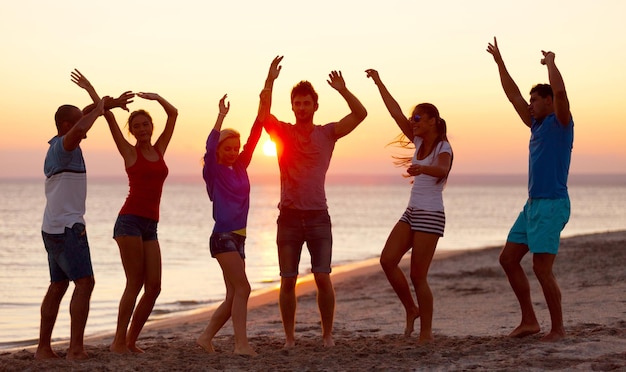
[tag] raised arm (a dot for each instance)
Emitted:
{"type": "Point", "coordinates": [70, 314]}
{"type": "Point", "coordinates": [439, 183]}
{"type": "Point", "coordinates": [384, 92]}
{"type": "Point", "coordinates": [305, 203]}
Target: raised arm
{"type": "Point", "coordinates": [265, 104]}
{"type": "Point", "coordinates": [510, 88]}
{"type": "Point", "coordinates": [257, 128]}
{"type": "Point", "coordinates": [172, 113]}
{"type": "Point", "coordinates": [561, 102]}
{"type": "Point", "coordinates": [392, 105]}
{"type": "Point", "coordinates": [72, 138]}
{"type": "Point", "coordinates": [79, 79]}
{"type": "Point", "coordinates": [224, 108]}
{"type": "Point", "coordinates": [122, 101]}
{"type": "Point", "coordinates": [357, 110]}
{"type": "Point", "coordinates": [125, 148]}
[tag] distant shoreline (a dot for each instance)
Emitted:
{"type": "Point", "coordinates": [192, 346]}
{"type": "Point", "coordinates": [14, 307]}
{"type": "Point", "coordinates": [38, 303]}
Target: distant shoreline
{"type": "Point", "coordinates": [378, 178]}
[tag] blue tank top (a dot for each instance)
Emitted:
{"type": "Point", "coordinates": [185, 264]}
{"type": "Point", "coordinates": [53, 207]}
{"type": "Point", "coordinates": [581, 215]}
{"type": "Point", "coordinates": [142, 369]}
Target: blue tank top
{"type": "Point", "coordinates": [550, 153]}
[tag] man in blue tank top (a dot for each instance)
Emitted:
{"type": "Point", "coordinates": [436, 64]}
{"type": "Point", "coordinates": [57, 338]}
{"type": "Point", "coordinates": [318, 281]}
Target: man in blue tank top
{"type": "Point", "coordinates": [539, 225]}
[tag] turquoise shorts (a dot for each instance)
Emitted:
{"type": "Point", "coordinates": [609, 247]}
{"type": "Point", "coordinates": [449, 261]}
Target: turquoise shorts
{"type": "Point", "coordinates": [540, 224]}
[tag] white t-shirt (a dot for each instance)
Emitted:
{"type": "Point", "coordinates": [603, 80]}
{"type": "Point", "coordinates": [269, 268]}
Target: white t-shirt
{"type": "Point", "coordinates": [426, 193]}
{"type": "Point", "coordinates": [66, 188]}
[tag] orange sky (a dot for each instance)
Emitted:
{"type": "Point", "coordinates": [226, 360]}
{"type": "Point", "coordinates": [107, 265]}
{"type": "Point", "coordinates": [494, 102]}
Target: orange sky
{"type": "Point", "coordinates": [193, 52]}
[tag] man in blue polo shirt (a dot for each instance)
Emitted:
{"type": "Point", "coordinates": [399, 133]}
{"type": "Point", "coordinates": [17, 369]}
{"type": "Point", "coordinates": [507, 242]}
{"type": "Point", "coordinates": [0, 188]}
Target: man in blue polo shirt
{"type": "Point", "coordinates": [547, 210]}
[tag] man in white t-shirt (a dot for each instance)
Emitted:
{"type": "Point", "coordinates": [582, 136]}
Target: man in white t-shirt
{"type": "Point", "coordinates": [63, 228]}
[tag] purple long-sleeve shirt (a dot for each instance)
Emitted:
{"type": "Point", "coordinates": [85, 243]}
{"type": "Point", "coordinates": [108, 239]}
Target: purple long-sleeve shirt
{"type": "Point", "coordinates": [229, 187]}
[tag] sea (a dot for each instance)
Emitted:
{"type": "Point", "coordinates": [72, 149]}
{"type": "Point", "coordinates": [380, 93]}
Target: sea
{"type": "Point", "coordinates": [479, 212]}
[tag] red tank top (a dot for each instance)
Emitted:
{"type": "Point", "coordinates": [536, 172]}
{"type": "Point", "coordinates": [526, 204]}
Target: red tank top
{"type": "Point", "coordinates": [145, 181]}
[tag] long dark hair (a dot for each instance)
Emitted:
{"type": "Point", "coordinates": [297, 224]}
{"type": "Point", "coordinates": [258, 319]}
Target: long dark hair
{"type": "Point", "coordinates": [442, 135]}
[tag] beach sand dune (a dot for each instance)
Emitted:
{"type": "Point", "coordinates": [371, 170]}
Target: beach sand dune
{"type": "Point", "coordinates": [474, 311]}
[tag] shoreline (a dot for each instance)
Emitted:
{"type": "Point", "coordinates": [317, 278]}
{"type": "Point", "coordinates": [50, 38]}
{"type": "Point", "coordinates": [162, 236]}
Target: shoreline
{"type": "Point", "coordinates": [258, 298]}
{"type": "Point", "coordinates": [474, 311]}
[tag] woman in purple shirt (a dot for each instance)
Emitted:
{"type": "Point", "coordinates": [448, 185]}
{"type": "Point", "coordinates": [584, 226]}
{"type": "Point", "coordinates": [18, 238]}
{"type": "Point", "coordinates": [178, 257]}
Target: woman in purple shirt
{"type": "Point", "coordinates": [228, 186]}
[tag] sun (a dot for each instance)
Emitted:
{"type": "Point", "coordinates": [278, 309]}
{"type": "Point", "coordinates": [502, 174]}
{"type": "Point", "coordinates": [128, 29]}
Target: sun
{"type": "Point", "coordinates": [269, 148]}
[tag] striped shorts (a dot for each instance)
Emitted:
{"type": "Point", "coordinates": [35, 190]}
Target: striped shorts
{"type": "Point", "coordinates": [432, 222]}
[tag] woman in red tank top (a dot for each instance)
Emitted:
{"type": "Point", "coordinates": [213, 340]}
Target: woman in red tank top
{"type": "Point", "coordinates": [135, 230]}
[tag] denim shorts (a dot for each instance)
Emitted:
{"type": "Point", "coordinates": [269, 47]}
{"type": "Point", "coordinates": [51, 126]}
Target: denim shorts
{"type": "Point", "coordinates": [227, 242]}
{"type": "Point", "coordinates": [131, 225]}
{"type": "Point", "coordinates": [296, 227]}
{"type": "Point", "coordinates": [540, 223]}
{"type": "Point", "coordinates": [68, 254]}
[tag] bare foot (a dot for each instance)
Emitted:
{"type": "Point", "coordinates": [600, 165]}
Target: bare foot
{"type": "Point", "coordinates": [205, 344]}
{"type": "Point", "coordinates": [77, 355]}
{"type": "Point", "coordinates": [119, 349]}
{"type": "Point", "coordinates": [133, 348]}
{"type": "Point", "coordinates": [411, 316]}
{"type": "Point", "coordinates": [329, 342]}
{"type": "Point", "coordinates": [289, 344]}
{"type": "Point", "coordinates": [426, 339]}
{"type": "Point", "coordinates": [525, 330]}
{"type": "Point", "coordinates": [553, 336]}
{"type": "Point", "coordinates": [46, 353]}
{"type": "Point", "coordinates": [246, 351]}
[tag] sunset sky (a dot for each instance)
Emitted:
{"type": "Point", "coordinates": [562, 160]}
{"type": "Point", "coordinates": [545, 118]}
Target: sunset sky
{"type": "Point", "coordinates": [193, 52]}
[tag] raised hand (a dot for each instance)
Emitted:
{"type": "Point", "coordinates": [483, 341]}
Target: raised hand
{"type": "Point", "coordinates": [494, 50]}
{"type": "Point", "coordinates": [371, 73]}
{"type": "Point", "coordinates": [79, 79]}
{"type": "Point", "coordinates": [123, 100]}
{"type": "Point", "coordinates": [224, 106]}
{"type": "Point", "coordinates": [275, 68]}
{"type": "Point", "coordinates": [548, 57]}
{"type": "Point", "coordinates": [336, 80]}
{"type": "Point", "coordinates": [148, 96]}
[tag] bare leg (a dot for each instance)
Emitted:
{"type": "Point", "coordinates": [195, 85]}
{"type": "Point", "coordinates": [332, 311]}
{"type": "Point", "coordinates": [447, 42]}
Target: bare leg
{"type": "Point", "coordinates": [132, 255]}
{"type": "Point", "coordinates": [218, 319]}
{"type": "Point", "coordinates": [79, 310]}
{"type": "Point", "coordinates": [238, 292]}
{"type": "Point", "coordinates": [510, 260]}
{"type": "Point", "coordinates": [326, 305]}
{"type": "Point", "coordinates": [49, 311]}
{"type": "Point", "coordinates": [398, 243]}
{"type": "Point", "coordinates": [152, 289]}
{"type": "Point", "coordinates": [424, 246]}
{"type": "Point", "coordinates": [288, 303]}
{"type": "Point", "coordinates": [542, 266]}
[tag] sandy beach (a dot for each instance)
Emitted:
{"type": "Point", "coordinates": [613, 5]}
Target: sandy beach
{"type": "Point", "coordinates": [475, 309]}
